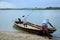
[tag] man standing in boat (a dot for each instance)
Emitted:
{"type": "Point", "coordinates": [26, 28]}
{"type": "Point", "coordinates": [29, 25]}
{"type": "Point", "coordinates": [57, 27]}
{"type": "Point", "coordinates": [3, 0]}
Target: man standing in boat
{"type": "Point", "coordinates": [45, 27]}
{"type": "Point", "coordinates": [24, 20]}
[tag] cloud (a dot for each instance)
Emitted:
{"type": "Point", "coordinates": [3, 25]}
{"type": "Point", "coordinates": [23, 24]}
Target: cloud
{"type": "Point", "coordinates": [7, 5]}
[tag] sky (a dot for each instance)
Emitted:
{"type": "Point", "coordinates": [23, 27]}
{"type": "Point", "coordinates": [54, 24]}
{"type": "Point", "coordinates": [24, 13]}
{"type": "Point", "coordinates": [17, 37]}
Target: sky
{"type": "Point", "coordinates": [29, 3]}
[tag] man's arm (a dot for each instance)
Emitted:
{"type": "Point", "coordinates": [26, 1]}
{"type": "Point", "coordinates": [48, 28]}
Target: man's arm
{"type": "Point", "coordinates": [50, 24]}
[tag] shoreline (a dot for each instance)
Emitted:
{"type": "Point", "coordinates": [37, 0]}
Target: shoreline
{"type": "Point", "coordinates": [20, 36]}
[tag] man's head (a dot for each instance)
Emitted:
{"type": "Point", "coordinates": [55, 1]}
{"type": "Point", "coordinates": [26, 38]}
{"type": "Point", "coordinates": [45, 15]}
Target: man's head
{"type": "Point", "coordinates": [23, 16]}
{"type": "Point", "coordinates": [47, 20]}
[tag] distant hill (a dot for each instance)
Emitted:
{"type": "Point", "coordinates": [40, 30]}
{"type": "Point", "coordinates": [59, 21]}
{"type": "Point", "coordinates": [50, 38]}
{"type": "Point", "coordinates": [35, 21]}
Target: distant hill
{"type": "Point", "coordinates": [47, 8]}
{"type": "Point", "coordinates": [52, 7]}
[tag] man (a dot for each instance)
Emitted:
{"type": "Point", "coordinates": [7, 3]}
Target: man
{"type": "Point", "coordinates": [45, 27]}
{"type": "Point", "coordinates": [24, 20]}
{"type": "Point", "coordinates": [19, 21]}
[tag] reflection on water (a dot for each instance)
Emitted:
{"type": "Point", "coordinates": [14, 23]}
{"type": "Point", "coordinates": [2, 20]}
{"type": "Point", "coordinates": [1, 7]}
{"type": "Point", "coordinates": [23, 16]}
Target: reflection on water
{"type": "Point", "coordinates": [18, 29]}
{"type": "Point", "coordinates": [56, 38]}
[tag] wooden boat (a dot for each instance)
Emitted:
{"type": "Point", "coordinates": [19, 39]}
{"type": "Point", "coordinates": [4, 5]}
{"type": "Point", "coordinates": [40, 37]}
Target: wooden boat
{"type": "Point", "coordinates": [33, 28]}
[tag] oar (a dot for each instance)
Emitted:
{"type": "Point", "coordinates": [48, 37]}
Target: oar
{"type": "Point", "coordinates": [51, 25]}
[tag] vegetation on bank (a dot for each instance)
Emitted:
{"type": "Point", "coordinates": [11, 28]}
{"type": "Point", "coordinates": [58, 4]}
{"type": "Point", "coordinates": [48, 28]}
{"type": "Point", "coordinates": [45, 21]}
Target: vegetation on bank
{"type": "Point", "coordinates": [47, 8]}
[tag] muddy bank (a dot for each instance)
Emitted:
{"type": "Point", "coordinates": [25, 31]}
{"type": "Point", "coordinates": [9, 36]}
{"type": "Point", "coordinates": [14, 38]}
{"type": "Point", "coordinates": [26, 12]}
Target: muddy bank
{"type": "Point", "coordinates": [20, 36]}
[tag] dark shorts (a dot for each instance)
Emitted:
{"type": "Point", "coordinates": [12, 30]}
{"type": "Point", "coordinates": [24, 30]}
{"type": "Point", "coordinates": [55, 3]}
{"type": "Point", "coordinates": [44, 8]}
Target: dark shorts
{"type": "Point", "coordinates": [24, 23]}
{"type": "Point", "coordinates": [44, 26]}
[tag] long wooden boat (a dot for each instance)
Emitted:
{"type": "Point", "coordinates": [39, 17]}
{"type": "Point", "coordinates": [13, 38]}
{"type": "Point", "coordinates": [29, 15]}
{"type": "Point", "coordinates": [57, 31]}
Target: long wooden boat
{"type": "Point", "coordinates": [33, 28]}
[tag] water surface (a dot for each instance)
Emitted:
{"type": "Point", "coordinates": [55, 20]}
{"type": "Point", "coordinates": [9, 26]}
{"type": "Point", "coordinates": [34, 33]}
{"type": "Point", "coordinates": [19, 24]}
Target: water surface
{"type": "Point", "coordinates": [7, 18]}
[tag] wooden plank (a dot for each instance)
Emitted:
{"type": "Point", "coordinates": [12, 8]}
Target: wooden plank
{"type": "Point", "coordinates": [29, 27]}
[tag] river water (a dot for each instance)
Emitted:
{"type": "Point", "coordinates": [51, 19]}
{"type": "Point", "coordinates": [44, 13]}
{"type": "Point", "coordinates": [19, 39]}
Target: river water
{"type": "Point", "coordinates": [7, 18]}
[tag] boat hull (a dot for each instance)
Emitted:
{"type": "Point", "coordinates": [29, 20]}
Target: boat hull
{"type": "Point", "coordinates": [38, 32]}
